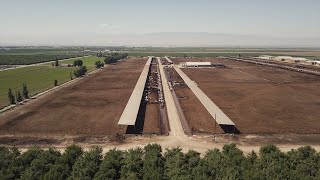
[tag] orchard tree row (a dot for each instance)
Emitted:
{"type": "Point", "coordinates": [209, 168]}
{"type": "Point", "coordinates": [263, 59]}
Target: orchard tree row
{"type": "Point", "coordinates": [112, 58]}
{"type": "Point", "coordinates": [151, 163]}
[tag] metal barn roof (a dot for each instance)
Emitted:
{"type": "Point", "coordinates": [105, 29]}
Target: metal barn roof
{"type": "Point", "coordinates": [198, 63]}
{"type": "Point", "coordinates": [169, 60]}
{"type": "Point", "coordinates": [129, 114]}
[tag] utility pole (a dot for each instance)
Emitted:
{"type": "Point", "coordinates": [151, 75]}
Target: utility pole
{"type": "Point", "coordinates": [215, 127]}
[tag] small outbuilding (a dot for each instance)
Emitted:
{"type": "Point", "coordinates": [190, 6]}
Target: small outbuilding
{"type": "Point", "coordinates": [196, 64]}
{"type": "Point", "coordinates": [266, 57]}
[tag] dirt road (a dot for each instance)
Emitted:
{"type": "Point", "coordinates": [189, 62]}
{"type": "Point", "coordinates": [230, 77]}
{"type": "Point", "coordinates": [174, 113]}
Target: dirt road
{"type": "Point", "coordinates": [174, 120]}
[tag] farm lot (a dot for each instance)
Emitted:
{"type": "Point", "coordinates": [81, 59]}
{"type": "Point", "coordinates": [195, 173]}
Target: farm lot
{"type": "Point", "coordinates": [90, 106]}
{"type": "Point", "coordinates": [257, 99]}
{"type": "Point", "coordinates": [38, 78]}
{"type": "Point", "coordinates": [24, 56]}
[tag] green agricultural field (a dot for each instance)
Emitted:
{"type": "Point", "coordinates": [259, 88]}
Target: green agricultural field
{"type": "Point", "coordinates": [24, 56]}
{"type": "Point", "coordinates": [38, 78]}
{"type": "Point", "coordinates": [87, 61]}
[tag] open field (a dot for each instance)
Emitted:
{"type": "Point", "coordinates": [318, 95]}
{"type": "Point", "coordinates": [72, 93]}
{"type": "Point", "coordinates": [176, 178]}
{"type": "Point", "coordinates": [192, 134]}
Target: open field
{"type": "Point", "coordinates": [90, 106]}
{"type": "Point", "coordinates": [24, 56]}
{"type": "Point", "coordinates": [257, 99]}
{"type": "Point", "coordinates": [38, 78]}
{"type": "Point", "coordinates": [215, 52]}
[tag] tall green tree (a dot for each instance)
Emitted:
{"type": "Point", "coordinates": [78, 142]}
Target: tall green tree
{"type": "Point", "coordinates": [111, 166]}
{"type": "Point", "coordinates": [19, 97]}
{"type": "Point", "coordinates": [56, 63]}
{"type": "Point", "coordinates": [87, 165]}
{"type": "Point", "coordinates": [11, 97]}
{"type": "Point", "coordinates": [212, 164]}
{"type": "Point", "coordinates": [40, 165]}
{"type": "Point", "coordinates": [55, 82]}
{"type": "Point", "coordinates": [25, 91]}
{"type": "Point", "coordinates": [176, 166]}
{"type": "Point", "coordinates": [133, 165]}
{"type": "Point", "coordinates": [153, 165]}
{"type": "Point", "coordinates": [62, 168]}
{"type": "Point", "coordinates": [9, 167]}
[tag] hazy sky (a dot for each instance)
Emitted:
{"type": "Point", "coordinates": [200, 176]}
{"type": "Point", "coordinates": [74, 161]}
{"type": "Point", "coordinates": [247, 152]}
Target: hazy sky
{"type": "Point", "coordinates": [130, 22]}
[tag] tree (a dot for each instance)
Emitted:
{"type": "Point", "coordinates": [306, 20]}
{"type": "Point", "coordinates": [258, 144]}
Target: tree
{"type": "Point", "coordinates": [230, 163]}
{"type": "Point", "coordinates": [99, 64]}
{"type": "Point", "coordinates": [175, 165]}
{"type": "Point", "coordinates": [56, 62]}
{"type": "Point", "coordinates": [11, 97]}
{"type": "Point", "coordinates": [9, 168]}
{"type": "Point", "coordinates": [153, 165]}
{"type": "Point", "coordinates": [111, 165]}
{"type": "Point", "coordinates": [133, 164]}
{"type": "Point", "coordinates": [114, 57]}
{"type": "Point", "coordinates": [212, 163]}
{"type": "Point", "coordinates": [71, 76]}
{"type": "Point", "coordinates": [233, 162]}
{"type": "Point", "coordinates": [272, 163]}
{"type": "Point", "coordinates": [62, 169]}
{"type": "Point", "coordinates": [19, 97]}
{"type": "Point", "coordinates": [87, 165]}
{"type": "Point", "coordinates": [25, 91]}
{"type": "Point", "coordinates": [25, 159]}
{"type": "Point", "coordinates": [55, 82]}
{"type": "Point", "coordinates": [193, 160]}
{"type": "Point", "coordinates": [81, 71]}
{"type": "Point", "coordinates": [77, 62]}
{"type": "Point", "coordinates": [41, 164]}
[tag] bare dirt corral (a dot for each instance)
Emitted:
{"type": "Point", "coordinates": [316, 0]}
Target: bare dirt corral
{"type": "Point", "coordinates": [198, 118]}
{"type": "Point", "coordinates": [90, 106]}
{"type": "Point", "coordinates": [258, 99]}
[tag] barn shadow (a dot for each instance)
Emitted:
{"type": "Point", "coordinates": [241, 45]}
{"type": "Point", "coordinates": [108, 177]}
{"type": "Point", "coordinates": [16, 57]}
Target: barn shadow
{"type": "Point", "coordinates": [138, 127]}
{"type": "Point", "coordinates": [230, 129]}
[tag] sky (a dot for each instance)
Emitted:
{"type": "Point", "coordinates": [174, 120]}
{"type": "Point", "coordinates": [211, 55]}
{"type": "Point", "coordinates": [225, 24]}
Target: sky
{"type": "Point", "coordinates": [160, 23]}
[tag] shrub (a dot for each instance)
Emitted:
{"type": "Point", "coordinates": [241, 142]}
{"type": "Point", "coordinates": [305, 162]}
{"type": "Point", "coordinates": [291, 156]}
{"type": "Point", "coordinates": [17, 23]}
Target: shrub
{"type": "Point", "coordinates": [77, 62]}
{"type": "Point", "coordinates": [99, 64]}
{"type": "Point", "coordinates": [55, 83]}
{"type": "Point", "coordinates": [80, 71]}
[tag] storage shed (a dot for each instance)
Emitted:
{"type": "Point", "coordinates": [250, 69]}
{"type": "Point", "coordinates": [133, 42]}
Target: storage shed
{"type": "Point", "coordinates": [196, 64]}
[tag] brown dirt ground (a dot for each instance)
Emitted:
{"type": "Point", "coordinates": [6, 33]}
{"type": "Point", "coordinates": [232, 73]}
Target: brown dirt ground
{"type": "Point", "coordinates": [152, 116]}
{"type": "Point", "coordinates": [261, 99]}
{"type": "Point", "coordinates": [199, 119]}
{"type": "Point", "coordinates": [152, 119]}
{"type": "Point", "coordinates": [90, 106]}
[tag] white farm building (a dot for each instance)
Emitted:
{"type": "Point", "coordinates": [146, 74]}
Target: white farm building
{"type": "Point", "coordinates": [291, 59]}
{"type": "Point", "coordinates": [266, 57]}
{"type": "Point", "coordinates": [195, 64]}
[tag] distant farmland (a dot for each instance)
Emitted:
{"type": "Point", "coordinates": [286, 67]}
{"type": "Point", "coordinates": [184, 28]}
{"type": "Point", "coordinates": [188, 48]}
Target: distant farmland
{"type": "Point", "coordinates": [32, 56]}
{"type": "Point", "coordinates": [38, 78]}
